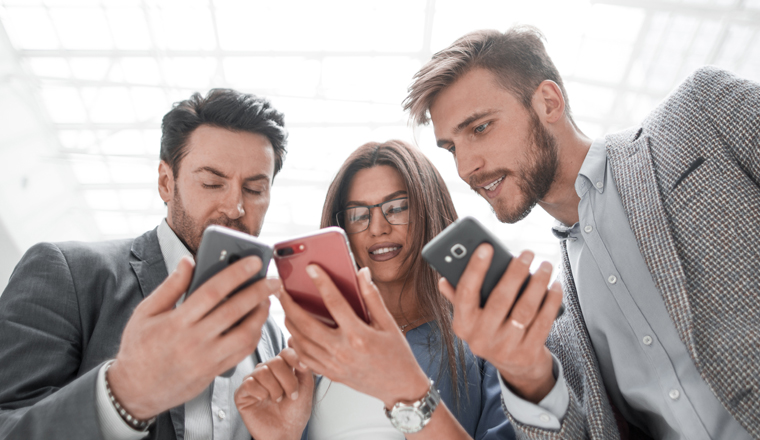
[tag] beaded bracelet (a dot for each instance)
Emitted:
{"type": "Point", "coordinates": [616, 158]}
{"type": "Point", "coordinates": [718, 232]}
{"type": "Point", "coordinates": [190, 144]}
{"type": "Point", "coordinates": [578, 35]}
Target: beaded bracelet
{"type": "Point", "coordinates": [140, 425]}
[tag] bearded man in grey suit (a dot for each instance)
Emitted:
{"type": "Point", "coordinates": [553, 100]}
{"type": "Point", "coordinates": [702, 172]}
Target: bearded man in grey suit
{"type": "Point", "coordinates": [659, 228]}
{"type": "Point", "coordinates": [95, 339]}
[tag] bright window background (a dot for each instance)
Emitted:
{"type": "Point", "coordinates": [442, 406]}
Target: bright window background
{"type": "Point", "coordinates": [84, 84]}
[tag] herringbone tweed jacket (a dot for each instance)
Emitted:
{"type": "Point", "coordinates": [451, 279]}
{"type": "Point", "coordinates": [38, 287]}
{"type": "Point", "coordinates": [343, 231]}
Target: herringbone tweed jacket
{"type": "Point", "coordinates": [689, 179]}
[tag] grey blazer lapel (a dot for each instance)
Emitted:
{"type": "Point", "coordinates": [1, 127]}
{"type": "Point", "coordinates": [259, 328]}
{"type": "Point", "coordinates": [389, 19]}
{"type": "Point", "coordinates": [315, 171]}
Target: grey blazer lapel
{"type": "Point", "coordinates": [148, 262]}
{"type": "Point", "coordinates": [636, 181]}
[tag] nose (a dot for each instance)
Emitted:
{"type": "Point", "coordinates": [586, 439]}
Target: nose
{"type": "Point", "coordinates": [378, 225]}
{"type": "Point", "coordinates": [232, 204]}
{"type": "Point", "coordinates": [468, 161]}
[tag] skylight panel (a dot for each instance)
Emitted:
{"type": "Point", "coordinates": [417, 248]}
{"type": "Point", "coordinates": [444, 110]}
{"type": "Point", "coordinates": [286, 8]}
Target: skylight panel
{"type": "Point", "coordinates": [184, 28]}
{"type": "Point", "coordinates": [128, 27]}
{"type": "Point", "coordinates": [112, 224]}
{"type": "Point", "coordinates": [29, 28]}
{"type": "Point", "coordinates": [92, 69]}
{"type": "Point", "coordinates": [82, 28]}
{"type": "Point", "coordinates": [102, 199]}
{"type": "Point", "coordinates": [150, 103]}
{"type": "Point", "coordinates": [93, 171]}
{"type": "Point", "coordinates": [133, 171]}
{"type": "Point", "coordinates": [79, 141]}
{"type": "Point", "coordinates": [139, 200]}
{"type": "Point", "coordinates": [53, 67]}
{"type": "Point", "coordinates": [195, 73]}
{"type": "Point", "coordinates": [141, 70]}
{"type": "Point", "coordinates": [124, 143]}
{"type": "Point", "coordinates": [291, 76]}
{"type": "Point", "coordinates": [63, 104]}
{"type": "Point", "coordinates": [112, 104]}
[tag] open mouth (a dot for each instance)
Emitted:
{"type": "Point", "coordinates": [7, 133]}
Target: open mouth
{"type": "Point", "coordinates": [384, 251]}
{"type": "Point", "coordinates": [494, 184]}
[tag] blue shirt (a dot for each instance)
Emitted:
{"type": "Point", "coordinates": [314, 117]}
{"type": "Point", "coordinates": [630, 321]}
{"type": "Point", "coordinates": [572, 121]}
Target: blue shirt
{"type": "Point", "coordinates": [479, 410]}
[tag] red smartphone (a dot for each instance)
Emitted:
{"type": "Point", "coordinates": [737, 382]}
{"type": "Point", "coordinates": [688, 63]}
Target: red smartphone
{"type": "Point", "coordinates": [328, 248]}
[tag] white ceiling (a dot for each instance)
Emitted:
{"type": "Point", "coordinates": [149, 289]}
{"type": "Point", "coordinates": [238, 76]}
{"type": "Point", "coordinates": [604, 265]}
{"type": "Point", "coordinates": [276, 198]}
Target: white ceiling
{"type": "Point", "coordinates": [86, 82]}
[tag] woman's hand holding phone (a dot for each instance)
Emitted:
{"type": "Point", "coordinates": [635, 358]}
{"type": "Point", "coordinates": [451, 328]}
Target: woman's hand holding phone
{"type": "Point", "coordinates": [509, 333]}
{"type": "Point", "coordinates": [373, 358]}
{"type": "Point", "coordinates": [275, 400]}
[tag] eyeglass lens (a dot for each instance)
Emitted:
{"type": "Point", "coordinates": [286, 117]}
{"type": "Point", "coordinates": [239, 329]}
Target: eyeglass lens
{"type": "Point", "coordinates": [356, 219]}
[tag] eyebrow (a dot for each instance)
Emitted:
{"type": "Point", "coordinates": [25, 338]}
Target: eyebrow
{"type": "Point", "coordinates": [216, 172]}
{"type": "Point", "coordinates": [390, 196]}
{"type": "Point", "coordinates": [462, 125]}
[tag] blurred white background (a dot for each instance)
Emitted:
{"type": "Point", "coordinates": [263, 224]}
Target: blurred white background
{"type": "Point", "coordinates": [84, 84]}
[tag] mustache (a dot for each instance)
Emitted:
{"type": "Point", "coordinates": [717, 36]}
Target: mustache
{"type": "Point", "coordinates": [476, 181]}
{"type": "Point", "coordinates": [231, 223]}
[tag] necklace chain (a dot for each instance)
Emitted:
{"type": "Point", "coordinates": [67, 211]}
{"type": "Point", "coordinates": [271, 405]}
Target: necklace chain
{"type": "Point", "coordinates": [404, 326]}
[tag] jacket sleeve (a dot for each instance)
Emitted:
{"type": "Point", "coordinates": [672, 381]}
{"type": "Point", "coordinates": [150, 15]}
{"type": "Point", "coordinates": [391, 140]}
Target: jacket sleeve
{"type": "Point", "coordinates": [732, 105]}
{"type": "Point", "coordinates": [589, 413]}
{"type": "Point", "coordinates": [42, 392]}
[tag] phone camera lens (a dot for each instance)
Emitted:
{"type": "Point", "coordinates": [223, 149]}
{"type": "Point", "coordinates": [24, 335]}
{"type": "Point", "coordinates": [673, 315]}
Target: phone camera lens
{"type": "Point", "coordinates": [458, 250]}
{"type": "Point", "coordinates": [284, 252]}
{"type": "Point", "coordinates": [233, 258]}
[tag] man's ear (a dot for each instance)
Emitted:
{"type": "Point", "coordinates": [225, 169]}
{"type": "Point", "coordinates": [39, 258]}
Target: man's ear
{"type": "Point", "coordinates": [549, 102]}
{"type": "Point", "coordinates": [165, 182]}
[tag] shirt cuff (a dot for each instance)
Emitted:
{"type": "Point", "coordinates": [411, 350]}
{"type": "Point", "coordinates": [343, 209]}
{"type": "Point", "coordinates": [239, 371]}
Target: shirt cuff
{"type": "Point", "coordinates": [549, 412]}
{"type": "Point", "coordinates": [112, 426]}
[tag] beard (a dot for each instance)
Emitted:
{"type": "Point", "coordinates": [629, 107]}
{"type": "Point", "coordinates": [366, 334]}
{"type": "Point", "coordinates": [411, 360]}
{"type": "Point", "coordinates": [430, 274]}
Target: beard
{"type": "Point", "coordinates": [190, 232]}
{"type": "Point", "coordinates": [534, 179]}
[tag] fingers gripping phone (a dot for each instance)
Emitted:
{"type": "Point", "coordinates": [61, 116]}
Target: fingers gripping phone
{"type": "Point", "coordinates": [450, 251]}
{"type": "Point", "coordinates": [328, 248]}
{"type": "Point", "coordinates": [220, 247]}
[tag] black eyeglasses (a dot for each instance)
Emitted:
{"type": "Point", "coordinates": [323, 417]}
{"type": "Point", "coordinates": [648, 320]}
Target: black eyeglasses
{"type": "Point", "coordinates": [356, 218]}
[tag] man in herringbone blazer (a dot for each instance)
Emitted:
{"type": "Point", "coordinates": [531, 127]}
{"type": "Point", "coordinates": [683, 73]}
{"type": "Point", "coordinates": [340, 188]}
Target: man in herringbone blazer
{"type": "Point", "coordinates": [660, 234]}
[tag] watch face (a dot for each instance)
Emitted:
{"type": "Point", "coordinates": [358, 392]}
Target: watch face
{"type": "Point", "coordinates": [409, 418]}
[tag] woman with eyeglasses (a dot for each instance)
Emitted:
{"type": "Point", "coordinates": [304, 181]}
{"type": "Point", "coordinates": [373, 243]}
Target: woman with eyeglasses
{"type": "Point", "coordinates": [405, 373]}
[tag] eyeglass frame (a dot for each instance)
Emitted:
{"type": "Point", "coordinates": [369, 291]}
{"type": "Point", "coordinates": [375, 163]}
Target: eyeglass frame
{"type": "Point", "coordinates": [369, 208]}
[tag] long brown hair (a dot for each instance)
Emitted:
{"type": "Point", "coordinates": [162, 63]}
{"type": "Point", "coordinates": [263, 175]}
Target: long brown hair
{"type": "Point", "coordinates": [430, 211]}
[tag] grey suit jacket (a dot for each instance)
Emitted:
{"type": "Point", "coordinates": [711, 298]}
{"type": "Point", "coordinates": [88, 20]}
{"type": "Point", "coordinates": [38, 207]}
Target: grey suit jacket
{"type": "Point", "coordinates": [689, 179]}
{"type": "Point", "coordinates": [61, 317]}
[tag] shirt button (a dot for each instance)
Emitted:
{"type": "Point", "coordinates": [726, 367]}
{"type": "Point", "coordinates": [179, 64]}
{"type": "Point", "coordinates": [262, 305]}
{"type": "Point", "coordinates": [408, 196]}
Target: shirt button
{"type": "Point", "coordinates": [545, 418]}
{"type": "Point", "coordinates": [647, 340]}
{"type": "Point", "coordinates": [221, 414]}
{"type": "Point", "coordinates": [674, 394]}
{"type": "Point", "coordinates": [588, 229]}
{"type": "Point", "coordinates": [599, 184]}
{"type": "Point", "coordinates": [612, 279]}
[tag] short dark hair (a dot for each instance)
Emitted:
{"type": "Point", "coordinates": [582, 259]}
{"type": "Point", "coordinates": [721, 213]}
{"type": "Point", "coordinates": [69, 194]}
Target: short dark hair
{"type": "Point", "coordinates": [222, 108]}
{"type": "Point", "coordinates": [516, 57]}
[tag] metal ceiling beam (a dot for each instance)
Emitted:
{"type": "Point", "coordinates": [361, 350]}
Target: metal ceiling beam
{"type": "Point", "coordinates": [119, 53]}
{"type": "Point", "coordinates": [147, 125]}
{"type": "Point", "coordinates": [736, 13]}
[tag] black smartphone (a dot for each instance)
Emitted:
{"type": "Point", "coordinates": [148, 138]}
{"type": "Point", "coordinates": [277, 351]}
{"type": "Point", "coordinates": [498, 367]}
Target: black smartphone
{"type": "Point", "coordinates": [220, 247]}
{"type": "Point", "coordinates": [450, 251]}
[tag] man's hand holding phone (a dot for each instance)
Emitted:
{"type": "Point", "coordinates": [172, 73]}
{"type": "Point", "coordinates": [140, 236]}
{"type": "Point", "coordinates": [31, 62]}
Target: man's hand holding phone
{"type": "Point", "coordinates": [169, 355]}
{"type": "Point", "coordinates": [510, 334]}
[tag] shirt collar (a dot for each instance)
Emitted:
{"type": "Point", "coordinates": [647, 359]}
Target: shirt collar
{"type": "Point", "coordinates": [593, 170]}
{"type": "Point", "coordinates": [172, 247]}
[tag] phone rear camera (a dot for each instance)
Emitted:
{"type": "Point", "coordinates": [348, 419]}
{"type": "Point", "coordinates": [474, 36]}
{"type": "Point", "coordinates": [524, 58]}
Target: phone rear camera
{"type": "Point", "coordinates": [284, 252]}
{"type": "Point", "coordinates": [233, 258]}
{"type": "Point", "coordinates": [458, 251]}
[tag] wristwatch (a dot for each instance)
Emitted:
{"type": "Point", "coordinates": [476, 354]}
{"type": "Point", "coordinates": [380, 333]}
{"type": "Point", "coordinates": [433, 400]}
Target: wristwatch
{"type": "Point", "coordinates": [413, 417]}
